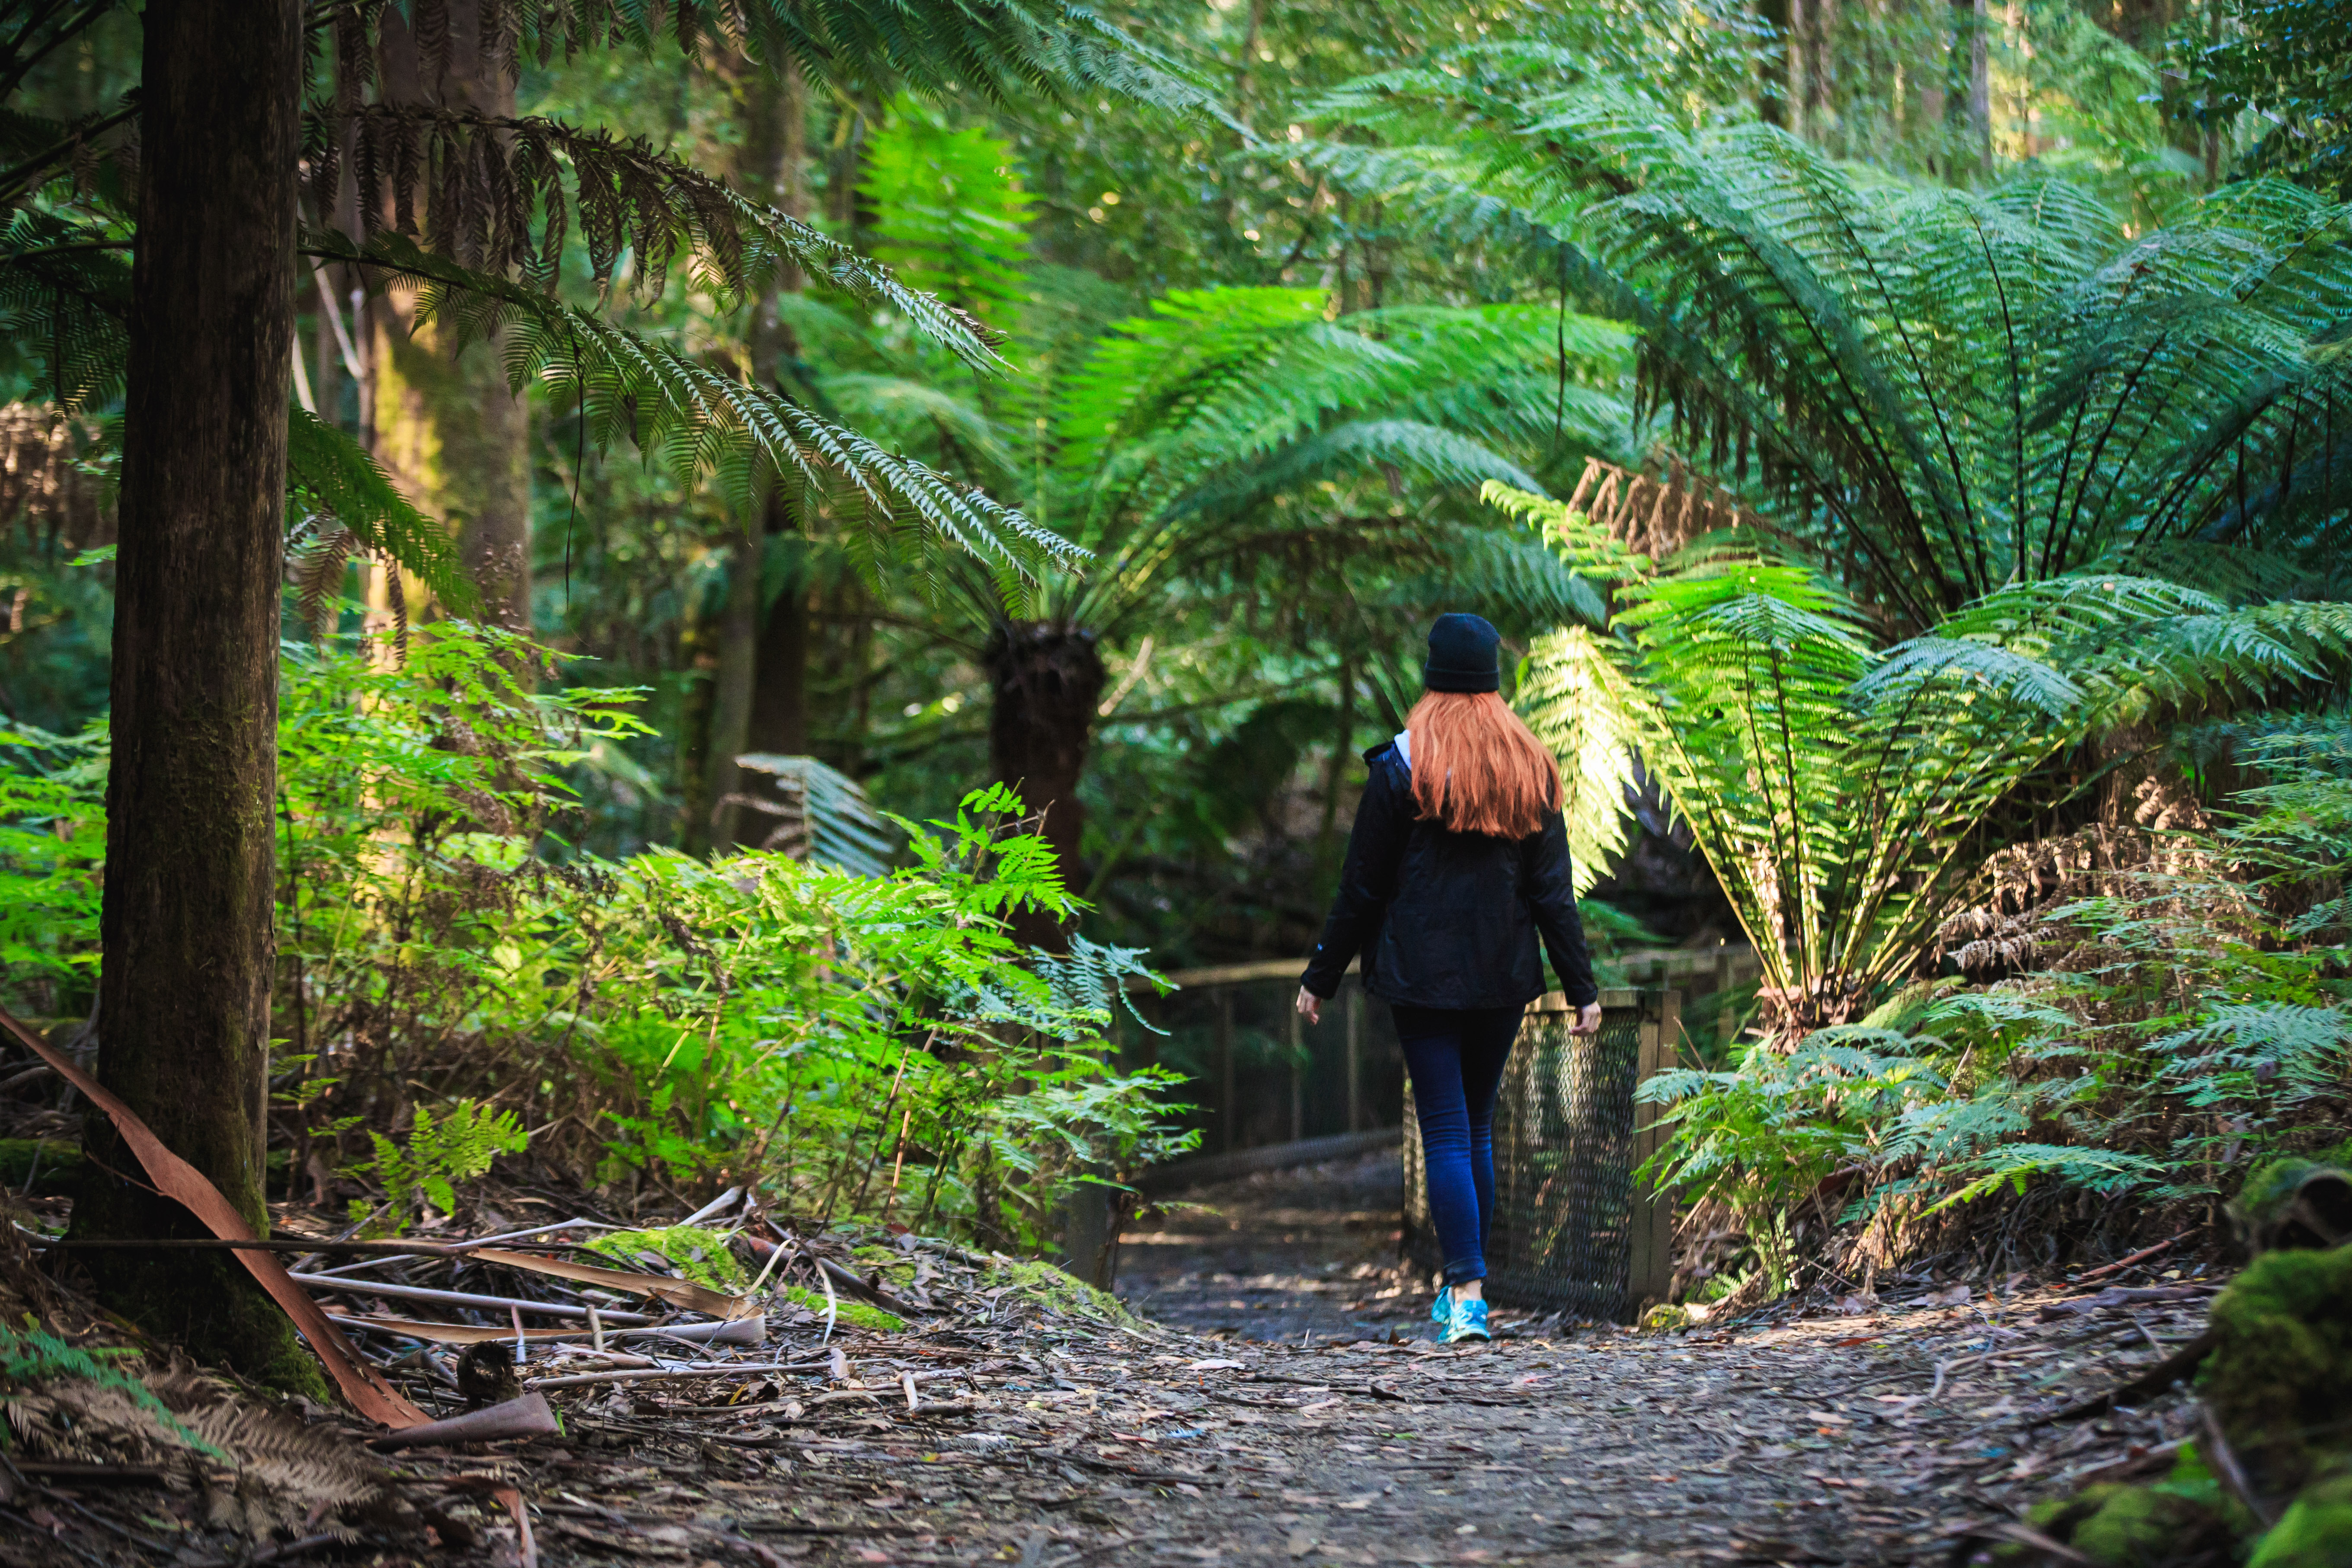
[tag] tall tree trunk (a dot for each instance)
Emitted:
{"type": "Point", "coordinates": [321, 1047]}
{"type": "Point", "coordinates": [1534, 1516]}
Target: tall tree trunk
{"type": "Point", "coordinates": [445, 424]}
{"type": "Point", "coordinates": [780, 719]}
{"type": "Point", "coordinates": [774, 169]}
{"type": "Point", "coordinates": [1775, 62]}
{"type": "Point", "coordinates": [773, 145]}
{"type": "Point", "coordinates": [1046, 680]}
{"type": "Point", "coordinates": [1972, 20]}
{"type": "Point", "coordinates": [731, 698]}
{"type": "Point", "coordinates": [189, 902]}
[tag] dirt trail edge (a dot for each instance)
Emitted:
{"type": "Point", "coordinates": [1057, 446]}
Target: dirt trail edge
{"type": "Point", "coordinates": [1841, 1439]}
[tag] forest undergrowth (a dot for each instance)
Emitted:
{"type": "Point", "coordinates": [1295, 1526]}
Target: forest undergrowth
{"type": "Point", "coordinates": [458, 985]}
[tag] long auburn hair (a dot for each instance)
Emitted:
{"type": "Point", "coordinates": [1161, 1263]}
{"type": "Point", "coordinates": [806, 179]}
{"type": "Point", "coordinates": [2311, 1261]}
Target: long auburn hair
{"type": "Point", "coordinates": [1477, 769]}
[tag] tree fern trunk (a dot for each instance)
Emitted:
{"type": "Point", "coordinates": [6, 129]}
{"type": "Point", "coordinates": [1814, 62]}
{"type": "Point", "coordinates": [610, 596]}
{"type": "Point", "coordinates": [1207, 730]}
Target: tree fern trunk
{"type": "Point", "coordinates": [445, 424]}
{"type": "Point", "coordinates": [1046, 680]}
{"type": "Point", "coordinates": [189, 899]}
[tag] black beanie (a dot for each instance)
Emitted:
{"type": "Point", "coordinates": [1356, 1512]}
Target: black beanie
{"type": "Point", "coordinates": [1461, 656]}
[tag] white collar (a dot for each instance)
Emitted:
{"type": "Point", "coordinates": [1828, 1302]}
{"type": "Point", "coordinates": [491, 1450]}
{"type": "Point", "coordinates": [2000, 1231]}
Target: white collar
{"type": "Point", "coordinates": [1404, 748]}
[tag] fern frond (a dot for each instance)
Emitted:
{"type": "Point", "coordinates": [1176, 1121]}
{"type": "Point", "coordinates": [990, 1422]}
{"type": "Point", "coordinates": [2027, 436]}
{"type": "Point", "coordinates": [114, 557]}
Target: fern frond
{"type": "Point", "coordinates": [65, 299]}
{"type": "Point", "coordinates": [704, 423]}
{"type": "Point", "coordinates": [329, 475]}
{"type": "Point", "coordinates": [627, 197]}
{"type": "Point", "coordinates": [822, 814]}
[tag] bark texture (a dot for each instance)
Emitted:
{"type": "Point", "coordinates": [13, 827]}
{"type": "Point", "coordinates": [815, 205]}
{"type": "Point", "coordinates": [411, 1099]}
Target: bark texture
{"type": "Point", "coordinates": [445, 424]}
{"type": "Point", "coordinates": [186, 922]}
{"type": "Point", "coordinates": [1045, 679]}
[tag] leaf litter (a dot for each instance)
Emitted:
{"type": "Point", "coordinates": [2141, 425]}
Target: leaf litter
{"type": "Point", "coordinates": [1021, 1419]}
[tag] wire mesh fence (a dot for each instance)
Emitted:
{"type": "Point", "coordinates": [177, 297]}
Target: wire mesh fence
{"type": "Point", "coordinates": [1572, 1230]}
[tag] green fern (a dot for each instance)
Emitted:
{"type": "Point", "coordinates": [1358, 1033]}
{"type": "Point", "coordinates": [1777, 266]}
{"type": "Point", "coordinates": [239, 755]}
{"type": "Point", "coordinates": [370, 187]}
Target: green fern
{"type": "Point", "coordinates": [1959, 389]}
{"type": "Point", "coordinates": [35, 1355]}
{"type": "Point", "coordinates": [335, 480]}
{"type": "Point", "coordinates": [951, 215]}
{"type": "Point", "coordinates": [1845, 794]}
{"type": "Point", "coordinates": [442, 1151]}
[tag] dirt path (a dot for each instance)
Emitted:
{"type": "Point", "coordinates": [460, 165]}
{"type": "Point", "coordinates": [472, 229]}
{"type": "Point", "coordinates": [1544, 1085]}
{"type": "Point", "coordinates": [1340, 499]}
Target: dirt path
{"type": "Point", "coordinates": [1269, 1418]}
{"type": "Point", "coordinates": [1839, 1440]}
{"type": "Point", "coordinates": [1276, 1255]}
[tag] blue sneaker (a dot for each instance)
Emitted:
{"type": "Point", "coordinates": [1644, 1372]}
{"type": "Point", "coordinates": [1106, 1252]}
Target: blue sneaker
{"type": "Point", "coordinates": [1467, 1321]}
{"type": "Point", "coordinates": [1441, 1311]}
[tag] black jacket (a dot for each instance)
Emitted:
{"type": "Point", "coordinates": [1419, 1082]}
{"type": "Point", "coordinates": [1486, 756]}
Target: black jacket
{"type": "Point", "coordinates": [1445, 918]}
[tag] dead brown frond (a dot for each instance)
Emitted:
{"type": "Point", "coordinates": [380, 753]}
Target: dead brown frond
{"type": "Point", "coordinates": [1657, 517]}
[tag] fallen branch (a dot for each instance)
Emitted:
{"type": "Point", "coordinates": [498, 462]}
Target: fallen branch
{"type": "Point", "coordinates": [528, 1416]}
{"type": "Point", "coordinates": [295, 1244]}
{"type": "Point", "coordinates": [2011, 1532]}
{"type": "Point", "coordinates": [459, 1298]}
{"type": "Point", "coordinates": [2224, 1458]}
{"type": "Point", "coordinates": [717, 1369]}
{"type": "Point", "coordinates": [2142, 1256]}
{"type": "Point", "coordinates": [2121, 1296]}
{"type": "Point", "coordinates": [678, 1292]}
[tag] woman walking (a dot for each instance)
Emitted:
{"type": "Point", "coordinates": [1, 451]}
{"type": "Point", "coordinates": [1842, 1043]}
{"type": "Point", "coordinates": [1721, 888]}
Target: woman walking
{"type": "Point", "coordinates": [1457, 863]}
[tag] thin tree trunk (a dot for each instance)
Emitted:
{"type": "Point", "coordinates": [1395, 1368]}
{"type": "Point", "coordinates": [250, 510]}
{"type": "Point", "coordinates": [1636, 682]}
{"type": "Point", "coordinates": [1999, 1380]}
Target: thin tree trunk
{"type": "Point", "coordinates": [768, 162]}
{"type": "Point", "coordinates": [447, 424]}
{"type": "Point", "coordinates": [189, 899]}
{"type": "Point", "coordinates": [780, 694]}
{"type": "Point", "coordinates": [1046, 680]}
{"type": "Point", "coordinates": [731, 698]}
{"type": "Point", "coordinates": [780, 719]}
{"type": "Point", "coordinates": [1793, 53]}
{"type": "Point", "coordinates": [1979, 25]}
{"type": "Point", "coordinates": [1772, 73]}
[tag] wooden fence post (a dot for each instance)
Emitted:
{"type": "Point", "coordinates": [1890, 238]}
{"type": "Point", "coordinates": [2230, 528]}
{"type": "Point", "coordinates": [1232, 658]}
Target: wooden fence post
{"type": "Point", "coordinates": [1651, 1278]}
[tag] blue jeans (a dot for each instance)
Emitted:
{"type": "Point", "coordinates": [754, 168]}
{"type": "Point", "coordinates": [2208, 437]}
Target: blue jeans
{"type": "Point", "coordinates": [1456, 1057]}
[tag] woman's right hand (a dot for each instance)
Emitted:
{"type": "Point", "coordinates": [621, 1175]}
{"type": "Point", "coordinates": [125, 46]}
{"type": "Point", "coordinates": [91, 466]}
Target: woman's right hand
{"type": "Point", "coordinates": [1587, 1020]}
{"type": "Point", "coordinates": [1310, 1005]}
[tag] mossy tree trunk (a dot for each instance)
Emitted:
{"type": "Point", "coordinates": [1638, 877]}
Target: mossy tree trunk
{"type": "Point", "coordinates": [447, 424]}
{"type": "Point", "coordinates": [188, 906]}
{"type": "Point", "coordinates": [1045, 681]}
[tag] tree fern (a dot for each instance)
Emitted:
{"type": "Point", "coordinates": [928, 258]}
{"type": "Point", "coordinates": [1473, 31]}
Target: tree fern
{"type": "Point", "coordinates": [1843, 793]}
{"type": "Point", "coordinates": [1957, 389]}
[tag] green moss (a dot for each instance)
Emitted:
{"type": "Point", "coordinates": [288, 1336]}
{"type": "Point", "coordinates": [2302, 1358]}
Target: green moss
{"type": "Point", "coordinates": [2142, 1527]}
{"type": "Point", "coordinates": [1060, 1291]}
{"type": "Point", "coordinates": [699, 1255]}
{"type": "Point", "coordinates": [2282, 1361]}
{"type": "Point", "coordinates": [2316, 1532]}
{"type": "Point", "coordinates": [857, 1314]}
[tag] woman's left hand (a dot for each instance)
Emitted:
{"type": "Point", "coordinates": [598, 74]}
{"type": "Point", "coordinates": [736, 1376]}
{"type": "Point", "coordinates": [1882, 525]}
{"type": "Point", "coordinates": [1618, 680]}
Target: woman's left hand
{"type": "Point", "coordinates": [1310, 1005]}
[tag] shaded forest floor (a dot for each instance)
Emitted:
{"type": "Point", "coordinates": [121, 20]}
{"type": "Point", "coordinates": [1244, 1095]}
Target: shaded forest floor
{"type": "Point", "coordinates": [1290, 1428]}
